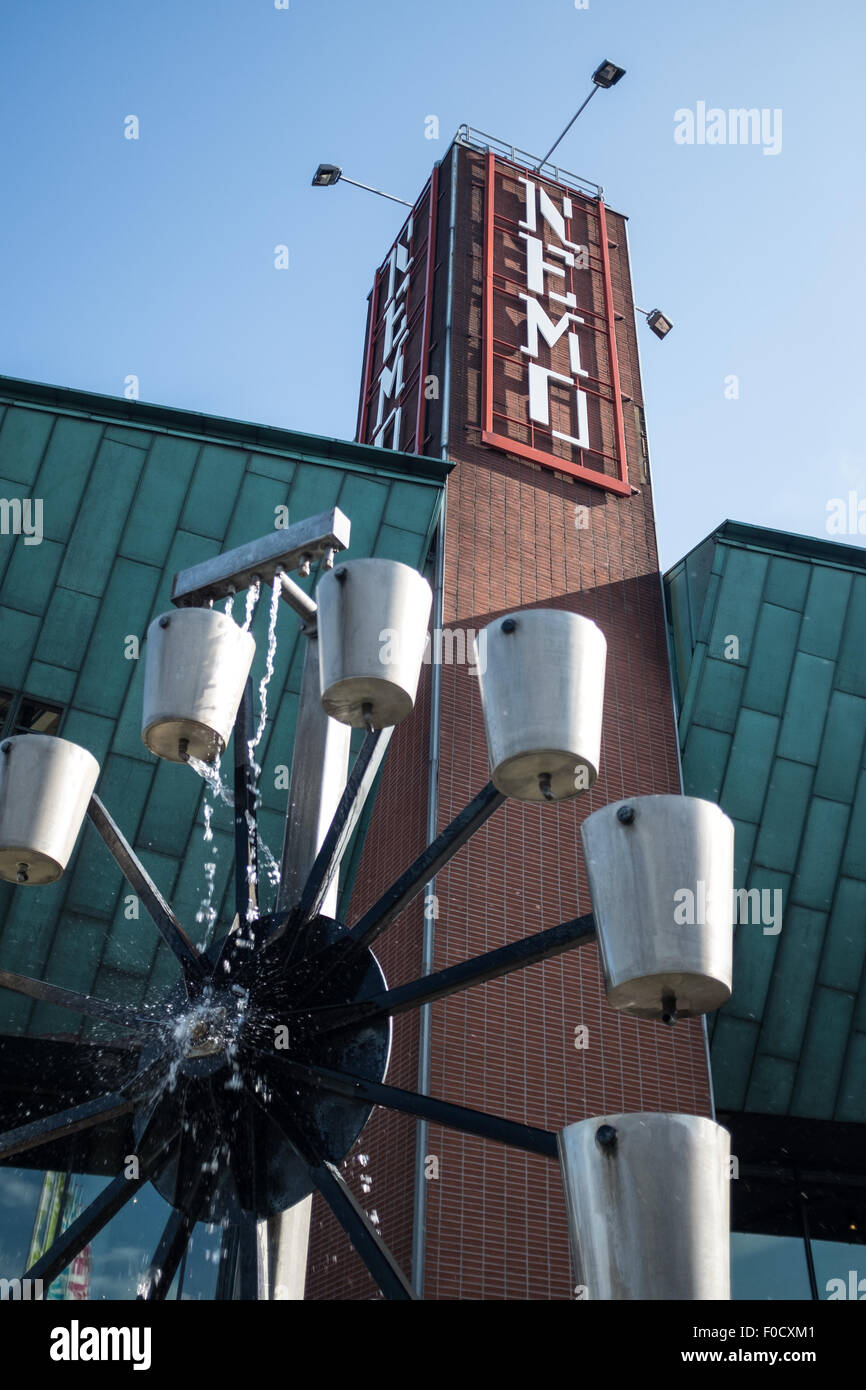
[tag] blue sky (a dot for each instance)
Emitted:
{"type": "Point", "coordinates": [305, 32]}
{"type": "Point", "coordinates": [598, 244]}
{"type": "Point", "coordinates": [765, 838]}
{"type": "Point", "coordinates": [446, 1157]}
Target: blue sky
{"type": "Point", "coordinates": [155, 257]}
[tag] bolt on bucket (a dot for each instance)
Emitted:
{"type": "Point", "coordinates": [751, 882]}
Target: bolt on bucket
{"type": "Point", "coordinates": [197, 664]}
{"type": "Point", "coordinates": [45, 786]}
{"type": "Point", "coordinates": [648, 1200]}
{"type": "Point", "coordinates": [661, 879]}
{"type": "Point", "coordinates": [372, 622]}
{"type": "Point", "coordinates": [542, 693]}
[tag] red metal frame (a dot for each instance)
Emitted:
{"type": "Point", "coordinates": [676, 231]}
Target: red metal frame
{"type": "Point", "coordinates": [374, 326]}
{"type": "Point", "coordinates": [620, 483]}
{"type": "Point", "coordinates": [421, 417]}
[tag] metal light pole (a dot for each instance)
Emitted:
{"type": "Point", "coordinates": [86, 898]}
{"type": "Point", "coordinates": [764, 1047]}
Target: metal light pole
{"type": "Point", "coordinates": [606, 75]}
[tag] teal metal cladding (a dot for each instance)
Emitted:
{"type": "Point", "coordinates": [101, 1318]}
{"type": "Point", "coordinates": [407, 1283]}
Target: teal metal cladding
{"type": "Point", "coordinates": [773, 727]}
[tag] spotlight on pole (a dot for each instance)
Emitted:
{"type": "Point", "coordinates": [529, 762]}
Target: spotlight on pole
{"type": "Point", "coordinates": [328, 174]}
{"type": "Point", "coordinates": [658, 322]}
{"type": "Point", "coordinates": [607, 74]}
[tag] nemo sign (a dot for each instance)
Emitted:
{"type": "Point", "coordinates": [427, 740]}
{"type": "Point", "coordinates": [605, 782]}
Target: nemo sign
{"type": "Point", "coordinates": [395, 390]}
{"type": "Point", "coordinates": [550, 375]}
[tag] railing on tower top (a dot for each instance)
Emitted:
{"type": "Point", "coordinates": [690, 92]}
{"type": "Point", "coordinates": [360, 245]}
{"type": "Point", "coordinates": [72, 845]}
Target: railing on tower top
{"type": "Point", "coordinates": [478, 140]}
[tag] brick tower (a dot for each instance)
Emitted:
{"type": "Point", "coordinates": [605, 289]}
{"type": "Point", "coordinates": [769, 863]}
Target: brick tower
{"type": "Point", "coordinates": [501, 332]}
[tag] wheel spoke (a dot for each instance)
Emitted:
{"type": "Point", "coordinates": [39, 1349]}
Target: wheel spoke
{"type": "Point", "coordinates": [72, 1241]}
{"type": "Point", "coordinates": [440, 1112]}
{"type": "Point", "coordinates": [136, 874]}
{"type": "Point", "coordinates": [401, 893]}
{"type": "Point", "coordinates": [168, 1255]}
{"type": "Point", "coordinates": [64, 1123]}
{"type": "Point", "coordinates": [541, 946]}
{"type": "Point", "coordinates": [427, 865]}
{"type": "Point", "coordinates": [346, 817]}
{"type": "Point", "coordinates": [351, 1215]}
{"type": "Point", "coordinates": [152, 1155]}
{"type": "Point", "coordinates": [80, 1003]}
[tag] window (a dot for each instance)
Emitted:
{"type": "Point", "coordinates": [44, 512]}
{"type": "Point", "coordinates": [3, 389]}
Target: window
{"type": "Point", "coordinates": [25, 714]}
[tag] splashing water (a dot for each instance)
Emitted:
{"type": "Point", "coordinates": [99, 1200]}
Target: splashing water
{"type": "Point", "coordinates": [266, 678]}
{"type": "Point", "coordinates": [252, 599]}
{"type": "Point", "coordinates": [230, 603]}
{"type": "Point", "coordinates": [207, 913]}
{"type": "Point", "coordinates": [210, 773]}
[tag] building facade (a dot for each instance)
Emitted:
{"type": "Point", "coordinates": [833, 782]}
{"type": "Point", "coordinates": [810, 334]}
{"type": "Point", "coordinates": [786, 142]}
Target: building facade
{"type": "Point", "coordinates": [501, 335]}
{"type": "Point", "coordinates": [768, 634]}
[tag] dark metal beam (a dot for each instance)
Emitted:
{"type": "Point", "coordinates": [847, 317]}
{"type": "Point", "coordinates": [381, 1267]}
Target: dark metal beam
{"type": "Point", "coordinates": [169, 1253]}
{"type": "Point", "coordinates": [351, 1215]}
{"type": "Point", "coordinates": [346, 817]}
{"type": "Point", "coordinates": [169, 928]}
{"type": "Point", "coordinates": [152, 1155]}
{"type": "Point", "coordinates": [410, 883]}
{"type": "Point", "coordinates": [530, 949]}
{"type": "Point", "coordinates": [87, 1004]}
{"type": "Point", "coordinates": [427, 865]}
{"type": "Point", "coordinates": [72, 1241]}
{"type": "Point", "coordinates": [65, 1123]}
{"type": "Point", "coordinates": [440, 1112]}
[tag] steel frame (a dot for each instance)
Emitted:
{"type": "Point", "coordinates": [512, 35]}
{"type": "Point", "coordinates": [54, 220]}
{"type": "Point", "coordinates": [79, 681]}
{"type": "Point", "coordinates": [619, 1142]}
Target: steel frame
{"type": "Point", "coordinates": [284, 952]}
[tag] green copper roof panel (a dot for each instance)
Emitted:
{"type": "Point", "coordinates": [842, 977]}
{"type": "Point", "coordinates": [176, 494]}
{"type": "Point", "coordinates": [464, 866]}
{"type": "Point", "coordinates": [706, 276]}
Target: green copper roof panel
{"type": "Point", "coordinates": [787, 583]}
{"type": "Point", "coordinates": [23, 436]}
{"type": "Point", "coordinates": [771, 1085]}
{"type": "Point", "coordinates": [842, 747]}
{"type": "Point", "coordinates": [772, 658]}
{"type": "Point", "coordinates": [824, 613]}
{"type": "Point", "coordinates": [719, 694]}
{"type": "Point", "coordinates": [823, 1055]}
{"type": "Point", "coordinates": [845, 945]}
{"type": "Point", "coordinates": [820, 852]}
{"type": "Point", "coordinates": [806, 708]}
{"type": "Point", "coordinates": [796, 970]}
{"type": "Point", "coordinates": [783, 723]}
{"type": "Point", "coordinates": [784, 815]}
{"type": "Point", "coordinates": [851, 669]}
{"type": "Point", "coordinates": [704, 761]}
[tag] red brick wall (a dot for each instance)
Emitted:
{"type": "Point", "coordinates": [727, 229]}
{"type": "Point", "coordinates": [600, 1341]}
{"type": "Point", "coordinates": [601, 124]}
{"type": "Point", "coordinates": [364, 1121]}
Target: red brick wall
{"type": "Point", "coordinates": [496, 1220]}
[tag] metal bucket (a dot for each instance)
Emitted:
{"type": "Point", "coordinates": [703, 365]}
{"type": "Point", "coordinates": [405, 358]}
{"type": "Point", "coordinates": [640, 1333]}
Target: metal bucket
{"type": "Point", "coordinates": [45, 786]}
{"type": "Point", "coordinates": [542, 692]}
{"type": "Point", "coordinates": [197, 664]}
{"type": "Point", "coordinates": [661, 878]}
{"type": "Point", "coordinates": [648, 1200]}
{"type": "Point", "coordinates": [372, 622]}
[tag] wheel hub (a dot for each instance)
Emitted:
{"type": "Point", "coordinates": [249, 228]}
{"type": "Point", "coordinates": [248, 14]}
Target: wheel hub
{"type": "Point", "coordinates": [221, 1067]}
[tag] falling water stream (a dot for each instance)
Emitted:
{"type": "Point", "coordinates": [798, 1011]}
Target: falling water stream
{"type": "Point", "coordinates": [210, 773]}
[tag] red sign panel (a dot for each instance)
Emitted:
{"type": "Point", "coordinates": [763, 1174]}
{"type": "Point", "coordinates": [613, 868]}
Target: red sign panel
{"type": "Point", "coordinates": [393, 396]}
{"type": "Point", "coordinates": [551, 390]}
